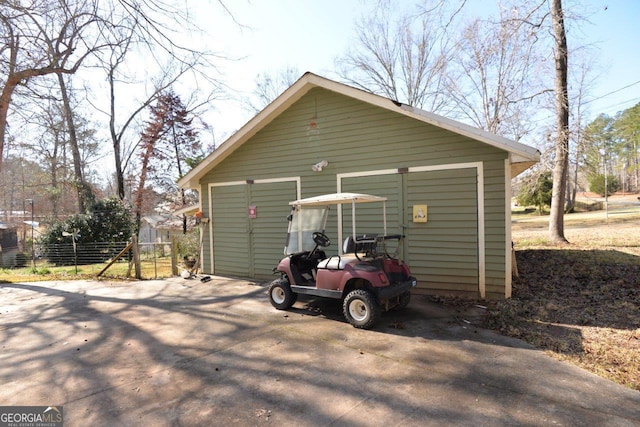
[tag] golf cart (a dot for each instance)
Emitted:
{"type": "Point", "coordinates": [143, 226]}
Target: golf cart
{"type": "Point", "coordinates": [364, 275]}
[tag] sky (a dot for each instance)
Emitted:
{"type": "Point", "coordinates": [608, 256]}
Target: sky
{"type": "Point", "coordinates": [308, 35]}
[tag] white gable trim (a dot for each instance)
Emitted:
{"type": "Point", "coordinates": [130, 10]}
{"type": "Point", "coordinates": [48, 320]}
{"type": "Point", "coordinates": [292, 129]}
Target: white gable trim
{"type": "Point", "coordinates": [521, 154]}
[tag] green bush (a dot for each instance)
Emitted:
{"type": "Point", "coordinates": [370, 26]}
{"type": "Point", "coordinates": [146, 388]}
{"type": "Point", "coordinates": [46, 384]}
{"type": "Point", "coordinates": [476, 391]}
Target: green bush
{"type": "Point", "coordinates": [597, 184]}
{"type": "Point", "coordinates": [107, 221]}
{"type": "Point", "coordinates": [537, 193]}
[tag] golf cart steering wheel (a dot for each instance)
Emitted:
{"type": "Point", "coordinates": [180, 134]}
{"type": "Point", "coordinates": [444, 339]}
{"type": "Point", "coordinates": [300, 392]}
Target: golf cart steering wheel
{"type": "Point", "coordinates": [321, 239]}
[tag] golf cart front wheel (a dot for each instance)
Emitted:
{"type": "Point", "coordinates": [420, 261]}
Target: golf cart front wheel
{"type": "Point", "coordinates": [361, 309]}
{"type": "Point", "coordinates": [280, 294]}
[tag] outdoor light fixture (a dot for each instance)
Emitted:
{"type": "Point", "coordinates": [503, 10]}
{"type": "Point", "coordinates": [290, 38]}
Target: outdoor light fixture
{"type": "Point", "coordinates": [319, 166]}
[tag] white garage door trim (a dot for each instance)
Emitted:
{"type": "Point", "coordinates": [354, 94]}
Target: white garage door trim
{"type": "Point", "coordinates": [480, 201]}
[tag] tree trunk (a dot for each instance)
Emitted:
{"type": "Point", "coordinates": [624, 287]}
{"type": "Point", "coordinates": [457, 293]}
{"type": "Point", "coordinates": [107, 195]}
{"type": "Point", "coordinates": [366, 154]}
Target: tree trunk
{"type": "Point", "coordinates": [82, 188]}
{"type": "Point", "coordinates": [143, 179]}
{"type": "Point", "coordinates": [5, 101]}
{"type": "Point", "coordinates": [114, 137]}
{"type": "Point", "coordinates": [574, 192]}
{"type": "Point", "coordinates": [182, 194]}
{"type": "Point", "coordinates": [55, 196]}
{"type": "Point", "coordinates": [561, 166]}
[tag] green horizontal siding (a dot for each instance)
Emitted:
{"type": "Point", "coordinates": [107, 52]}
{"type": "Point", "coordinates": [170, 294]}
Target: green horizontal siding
{"type": "Point", "coordinates": [269, 228]}
{"type": "Point", "coordinates": [230, 230]}
{"type": "Point", "coordinates": [443, 252]}
{"type": "Point", "coordinates": [250, 247]}
{"type": "Point", "coordinates": [357, 137]}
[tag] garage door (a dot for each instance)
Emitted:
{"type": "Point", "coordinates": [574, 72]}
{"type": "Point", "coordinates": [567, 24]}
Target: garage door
{"type": "Point", "coordinates": [230, 230]}
{"type": "Point", "coordinates": [443, 252]}
{"type": "Point", "coordinates": [247, 246]}
{"type": "Point", "coordinates": [269, 229]}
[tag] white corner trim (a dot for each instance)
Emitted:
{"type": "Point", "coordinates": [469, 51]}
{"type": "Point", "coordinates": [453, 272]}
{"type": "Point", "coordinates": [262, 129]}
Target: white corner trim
{"type": "Point", "coordinates": [508, 265]}
{"type": "Point", "coordinates": [482, 264]}
{"type": "Point", "coordinates": [212, 260]}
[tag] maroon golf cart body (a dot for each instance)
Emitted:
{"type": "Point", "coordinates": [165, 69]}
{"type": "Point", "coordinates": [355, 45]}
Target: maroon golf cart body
{"type": "Point", "coordinates": [364, 275]}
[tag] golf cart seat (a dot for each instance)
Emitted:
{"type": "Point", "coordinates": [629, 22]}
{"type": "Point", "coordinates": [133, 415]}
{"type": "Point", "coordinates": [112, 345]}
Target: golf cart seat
{"type": "Point", "coordinates": [363, 243]}
{"type": "Point", "coordinates": [336, 262]}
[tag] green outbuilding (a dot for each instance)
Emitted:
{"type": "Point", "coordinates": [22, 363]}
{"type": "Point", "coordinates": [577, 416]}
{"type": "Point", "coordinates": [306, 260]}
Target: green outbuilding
{"type": "Point", "coordinates": [320, 136]}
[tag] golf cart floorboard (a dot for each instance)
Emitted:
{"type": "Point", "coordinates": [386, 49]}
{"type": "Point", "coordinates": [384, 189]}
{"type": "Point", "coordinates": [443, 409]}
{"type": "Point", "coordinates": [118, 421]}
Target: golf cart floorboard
{"type": "Point", "coordinates": [310, 290]}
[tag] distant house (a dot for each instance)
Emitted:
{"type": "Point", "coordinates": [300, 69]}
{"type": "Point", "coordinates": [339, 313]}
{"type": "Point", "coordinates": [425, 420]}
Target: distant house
{"type": "Point", "coordinates": [158, 228]}
{"type": "Point", "coordinates": [321, 136]}
{"type": "Point", "coordinates": [8, 246]}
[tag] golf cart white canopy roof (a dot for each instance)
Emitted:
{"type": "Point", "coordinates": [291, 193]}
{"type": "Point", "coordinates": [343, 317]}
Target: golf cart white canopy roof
{"type": "Point", "coordinates": [322, 203]}
{"type": "Point", "coordinates": [337, 199]}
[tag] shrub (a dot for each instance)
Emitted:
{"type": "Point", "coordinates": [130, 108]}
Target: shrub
{"type": "Point", "coordinates": [537, 193]}
{"type": "Point", "coordinates": [107, 221]}
{"type": "Point", "coordinates": [597, 184]}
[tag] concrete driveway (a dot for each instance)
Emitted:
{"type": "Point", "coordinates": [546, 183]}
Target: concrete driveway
{"type": "Point", "coordinates": [182, 352]}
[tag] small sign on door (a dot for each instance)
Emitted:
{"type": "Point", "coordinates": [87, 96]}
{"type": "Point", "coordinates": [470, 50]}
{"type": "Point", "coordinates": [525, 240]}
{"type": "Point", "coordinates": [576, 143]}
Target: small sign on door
{"type": "Point", "coordinates": [419, 213]}
{"type": "Point", "coordinates": [253, 212]}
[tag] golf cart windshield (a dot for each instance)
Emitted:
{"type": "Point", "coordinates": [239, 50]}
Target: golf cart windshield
{"type": "Point", "coordinates": [302, 224]}
{"type": "Point", "coordinates": [310, 215]}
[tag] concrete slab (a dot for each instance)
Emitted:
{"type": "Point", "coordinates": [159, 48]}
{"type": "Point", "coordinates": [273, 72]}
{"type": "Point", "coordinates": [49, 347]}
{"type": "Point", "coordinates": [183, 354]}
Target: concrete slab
{"type": "Point", "coordinates": [182, 352]}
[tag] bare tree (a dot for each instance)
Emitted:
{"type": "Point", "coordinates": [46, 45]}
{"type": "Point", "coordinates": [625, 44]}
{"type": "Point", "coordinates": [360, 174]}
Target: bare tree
{"type": "Point", "coordinates": [59, 37]}
{"type": "Point", "coordinates": [49, 145]}
{"type": "Point", "coordinates": [489, 73]}
{"type": "Point", "coordinates": [578, 143]}
{"type": "Point", "coordinates": [403, 58]}
{"type": "Point", "coordinates": [42, 38]}
{"type": "Point", "coordinates": [561, 165]}
{"type": "Point", "coordinates": [495, 79]}
{"type": "Point", "coordinates": [49, 149]}
{"type": "Point", "coordinates": [85, 195]}
{"type": "Point", "coordinates": [123, 148]}
{"type": "Point", "coordinates": [268, 87]}
{"type": "Point", "coordinates": [22, 179]}
{"type": "Point", "coordinates": [148, 28]}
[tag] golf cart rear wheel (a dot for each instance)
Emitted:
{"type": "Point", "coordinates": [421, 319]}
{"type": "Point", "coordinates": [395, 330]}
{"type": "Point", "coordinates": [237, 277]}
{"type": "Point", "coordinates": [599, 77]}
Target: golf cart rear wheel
{"type": "Point", "coordinates": [280, 294]}
{"type": "Point", "coordinates": [403, 301]}
{"type": "Point", "coordinates": [361, 309]}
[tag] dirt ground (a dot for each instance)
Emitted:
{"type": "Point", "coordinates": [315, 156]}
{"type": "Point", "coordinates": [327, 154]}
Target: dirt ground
{"type": "Point", "coordinates": [579, 301]}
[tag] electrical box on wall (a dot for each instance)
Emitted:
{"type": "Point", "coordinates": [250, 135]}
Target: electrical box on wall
{"type": "Point", "coordinates": [419, 213]}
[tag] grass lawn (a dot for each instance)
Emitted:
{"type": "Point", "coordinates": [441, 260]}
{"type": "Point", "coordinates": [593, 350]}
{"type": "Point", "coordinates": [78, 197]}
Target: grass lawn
{"type": "Point", "coordinates": [579, 301]}
{"type": "Point", "coordinates": [150, 269]}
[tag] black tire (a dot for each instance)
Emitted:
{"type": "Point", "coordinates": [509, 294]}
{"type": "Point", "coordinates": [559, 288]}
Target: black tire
{"type": "Point", "coordinates": [361, 309]}
{"type": "Point", "coordinates": [403, 301]}
{"type": "Point", "coordinates": [280, 294]}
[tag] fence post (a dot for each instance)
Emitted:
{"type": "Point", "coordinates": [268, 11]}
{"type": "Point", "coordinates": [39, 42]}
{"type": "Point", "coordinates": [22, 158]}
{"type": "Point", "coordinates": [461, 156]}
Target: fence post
{"type": "Point", "coordinates": [136, 256]}
{"type": "Point", "coordinates": [174, 256]}
{"type": "Point", "coordinates": [116, 258]}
